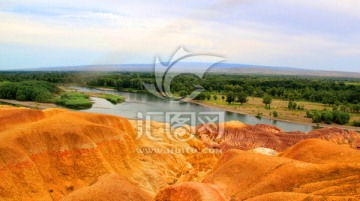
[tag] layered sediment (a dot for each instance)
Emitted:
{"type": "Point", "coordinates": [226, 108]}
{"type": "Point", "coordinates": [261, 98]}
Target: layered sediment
{"type": "Point", "coordinates": [58, 154]}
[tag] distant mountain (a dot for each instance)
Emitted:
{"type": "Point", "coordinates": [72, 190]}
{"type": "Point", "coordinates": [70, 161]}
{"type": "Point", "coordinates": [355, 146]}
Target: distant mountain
{"type": "Point", "coordinates": [99, 68]}
{"type": "Point", "coordinates": [273, 70]}
{"type": "Point", "coordinates": [192, 67]}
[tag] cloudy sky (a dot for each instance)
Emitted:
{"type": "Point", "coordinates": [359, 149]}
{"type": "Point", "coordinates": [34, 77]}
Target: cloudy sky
{"type": "Point", "coordinates": [312, 34]}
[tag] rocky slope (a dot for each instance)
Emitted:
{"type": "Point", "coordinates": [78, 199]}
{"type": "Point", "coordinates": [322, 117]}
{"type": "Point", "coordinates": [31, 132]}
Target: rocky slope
{"type": "Point", "coordinates": [48, 154]}
{"type": "Point", "coordinates": [241, 175]}
{"type": "Point", "coordinates": [237, 135]}
{"type": "Point", "coordinates": [63, 155]}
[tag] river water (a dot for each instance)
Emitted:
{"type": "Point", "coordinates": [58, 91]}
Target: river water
{"type": "Point", "coordinates": [145, 104]}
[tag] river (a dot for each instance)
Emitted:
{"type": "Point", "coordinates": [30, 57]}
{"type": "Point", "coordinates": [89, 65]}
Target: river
{"type": "Point", "coordinates": [148, 105]}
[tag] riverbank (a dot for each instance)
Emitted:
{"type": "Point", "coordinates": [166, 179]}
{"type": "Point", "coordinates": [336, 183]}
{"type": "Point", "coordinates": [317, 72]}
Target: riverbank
{"type": "Point", "coordinates": [30, 104]}
{"type": "Point", "coordinates": [114, 99]}
{"type": "Point", "coordinates": [243, 109]}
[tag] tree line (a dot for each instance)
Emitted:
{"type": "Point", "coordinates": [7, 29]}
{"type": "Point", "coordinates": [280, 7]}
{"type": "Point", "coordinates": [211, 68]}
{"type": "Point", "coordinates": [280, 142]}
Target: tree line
{"type": "Point", "coordinates": [330, 91]}
{"type": "Point", "coordinates": [39, 91]}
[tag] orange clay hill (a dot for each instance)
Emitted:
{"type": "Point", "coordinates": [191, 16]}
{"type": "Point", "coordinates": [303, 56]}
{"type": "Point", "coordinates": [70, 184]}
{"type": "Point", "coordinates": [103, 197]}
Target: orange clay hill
{"type": "Point", "coordinates": [58, 154]}
{"type": "Point", "coordinates": [236, 135]}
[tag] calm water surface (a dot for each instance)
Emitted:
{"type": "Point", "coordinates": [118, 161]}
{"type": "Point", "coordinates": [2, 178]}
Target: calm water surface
{"type": "Point", "coordinates": [143, 102]}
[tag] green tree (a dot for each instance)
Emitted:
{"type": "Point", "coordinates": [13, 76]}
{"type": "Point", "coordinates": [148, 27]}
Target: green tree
{"type": "Point", "coordinates": [341, 117]}
{"type": "Point", "coordinates": [183, 94]}
{"type": "Point", "coordinates": [294, 106]}
{"type": "Point", "coordinates": [208, 96]}
{"type": "Point", "coordinates": [267, 100]}
{"type": "Point", "coordinates": [290, 105]}
{"type": "Point", "coordinates": [316, 117]}
{"type": "Point", "coordinates": [327, 117]}
{"type": "Point", "coordinates": [343, 108]}
{"type": "Point", "coordinates": [230, 98]}
{"type": "Point", "coordinates": [242, 97]}
{"type": "Point", "coordinates": [215, 97]}
{"type": "Point", "coordinates": [21, 95]}
{"type": "Point", "coordinates": [42, 96]}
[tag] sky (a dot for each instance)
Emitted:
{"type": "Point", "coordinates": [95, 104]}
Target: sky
{"type": "Point", "coordinates": [310, 34]}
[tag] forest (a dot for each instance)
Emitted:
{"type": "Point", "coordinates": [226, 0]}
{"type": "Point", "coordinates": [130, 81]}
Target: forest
{"type": "Point", "coordinates": [341, 93]}
{"type": "Point", "coordinates": [28, 90]}
{"type": "Point", "coordinates": [332, 91]}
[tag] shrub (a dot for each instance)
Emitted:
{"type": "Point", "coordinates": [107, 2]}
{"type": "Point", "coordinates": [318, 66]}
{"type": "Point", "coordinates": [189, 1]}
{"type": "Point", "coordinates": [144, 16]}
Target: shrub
{"type": "Point", "coordinates": [294, 106]}
{"type": "Point", "coordinates": [275, 114]}
{"type": "Point", "coordinates": [356, 123]}
{"type": "Point", "coordinates": [316, 117]}
{"type": "Point", "coordinates": [290, 105]}
{"type": "Point", "coordinates": [341, 117]}
{"type": "Point", "coordinates": [183, 94]}
{"type": "Point", "coordinates": [75, 100]}
{"type": "Point", "coordinates": [230, 98]}
{"type": "Point", "coordinates": [267, 100]}
{"type": "Point", "coordinates": [112, 98]}
{"type": "Point", "coordinates": [309, 114]}
{"type": "Point", "coordinates": [259, 115]}
{"type": "Point", "coordinates": [242, 97]}
{"type": "Point", "coordinates": [327, 117]}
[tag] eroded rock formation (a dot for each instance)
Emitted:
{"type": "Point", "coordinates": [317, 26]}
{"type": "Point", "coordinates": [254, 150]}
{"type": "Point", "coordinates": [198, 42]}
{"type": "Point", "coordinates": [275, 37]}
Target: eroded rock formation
{"type": "Point", "coordinates": [242, 175]}
{"type": "Point", "coordinates": [57, 154]}
{"type": "Point", "coordinates": [48, 154]}
{"type": "Point", "coordinates": [236, 135]}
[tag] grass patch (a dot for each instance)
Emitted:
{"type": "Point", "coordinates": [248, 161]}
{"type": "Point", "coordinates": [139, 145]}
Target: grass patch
{"type": "Point", "coordinates": [112, 98]}
{"type": "Point", "coordinates": [255, 105]}
{"type": "Point", "coordinates": [353, 83]}
{"type": "Point", "coordinates": [74, 100]}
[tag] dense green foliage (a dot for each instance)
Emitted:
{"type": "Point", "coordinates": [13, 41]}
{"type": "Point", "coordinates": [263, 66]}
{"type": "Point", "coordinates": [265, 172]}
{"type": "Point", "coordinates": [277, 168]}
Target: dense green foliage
{"type": "Point", "coordinates": [275, 114]}
{"type": "Point", "coordinates": [39, 91]}
{"type": "Point", "coordinates": [242, 97]}
{"type": "Point", "coordinates": [295, 106]}
{"type": "Point", "coordinates": [329, 117]}
{"type": "Point", "coordinates": [342, 93]}
{"type": "Point", "coordinates": [309, 114]}
{"type": "Point", "coordinates": [75, 100]}
{"type": "Point", "coordinates": [330, 91]}
{"type": "Point", "coordinates": [112, 98]}
{"type": "Point", "coordinates": [267, 100]}
{"type": "Point", "coordinates": [230, 97]}
{"type": "Point", "coordinates": [239, 97]}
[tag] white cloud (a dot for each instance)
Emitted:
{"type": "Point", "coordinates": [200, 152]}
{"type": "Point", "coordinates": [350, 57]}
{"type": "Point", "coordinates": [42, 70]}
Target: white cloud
{"type": "Point", "coordinates": [341, 7]}
{"type": "Point", "coordinates": [150, 29]}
